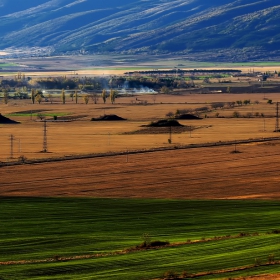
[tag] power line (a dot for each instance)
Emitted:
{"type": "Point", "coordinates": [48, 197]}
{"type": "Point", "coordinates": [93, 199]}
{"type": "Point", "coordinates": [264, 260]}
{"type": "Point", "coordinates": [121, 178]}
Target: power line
{"type": "Point", "coordinates": [45, 143]}
{"type": "Point", "coordinates": [277, 117]}
{"type": "Point", "coordinates": [12, 146]}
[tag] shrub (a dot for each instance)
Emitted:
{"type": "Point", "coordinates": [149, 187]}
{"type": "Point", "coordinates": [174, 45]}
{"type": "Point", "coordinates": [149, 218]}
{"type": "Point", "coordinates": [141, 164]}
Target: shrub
{"type": "Point", "coordinates": [40, 116]}
{"type": "Point", "coordinates": [146, 240]}
{"type": "Point", "coordinates": [217, 105]}
{"type": "Point", "coordinates": [271, 258]}
{"type": "Point", "coordinates": [236, 114]}
{"type": "Point", "coordinates": [243, 234]}
{"type": "Point", "coordinates": [170, 115]}
{"type": "Point", "coordinates": [22, 159]}
{"type": "Point", "coordinates": [159, 243]}
{"type": "Point", "coordinates": [57, 258]}
{"type": "Point", "coordinates": [258, 261]}
{"type": "Point", "coordinates": [249, 115]}
{"type": "Point", "coordinates": [170, 275]}
{"type": "Point", "coordinates": [150, 244]}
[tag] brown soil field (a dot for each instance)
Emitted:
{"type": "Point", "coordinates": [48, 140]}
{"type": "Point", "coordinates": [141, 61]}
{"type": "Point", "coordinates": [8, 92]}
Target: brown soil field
{"type": "Point", "coordinates": [82, 136]}
{"type": "Point", "coordinates": [198, 173]}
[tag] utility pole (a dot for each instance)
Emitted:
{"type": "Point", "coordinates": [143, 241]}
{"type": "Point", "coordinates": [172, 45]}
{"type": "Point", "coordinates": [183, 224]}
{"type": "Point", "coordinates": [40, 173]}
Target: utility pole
{"type": "Point", "coordinates": [12, 146]}
{"type": "Point", "coordinates": [45, 143]}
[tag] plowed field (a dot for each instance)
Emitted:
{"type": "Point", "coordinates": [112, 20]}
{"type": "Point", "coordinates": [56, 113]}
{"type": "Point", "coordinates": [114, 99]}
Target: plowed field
{"type": "Point", "coordinates": [199, 173]}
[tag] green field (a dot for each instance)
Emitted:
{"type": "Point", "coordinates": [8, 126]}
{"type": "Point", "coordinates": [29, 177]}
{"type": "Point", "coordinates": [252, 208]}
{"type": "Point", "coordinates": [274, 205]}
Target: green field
{"type": "Point", "coordinates": [51, 231]}
{"type": "Point", "coordinates": [7, 64]}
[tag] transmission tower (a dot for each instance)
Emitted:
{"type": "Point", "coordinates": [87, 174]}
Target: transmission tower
{"type": "Point", "coordinates": [277, 118]}
{"type": "Point", "coordinates": [45, 143]}
{"type": "Point", "coordinates": [12, 146]}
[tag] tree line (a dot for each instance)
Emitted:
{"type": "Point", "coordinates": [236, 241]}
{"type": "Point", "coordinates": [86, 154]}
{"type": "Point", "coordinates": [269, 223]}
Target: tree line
{"type": "Point", "coordinates": [87, 84]}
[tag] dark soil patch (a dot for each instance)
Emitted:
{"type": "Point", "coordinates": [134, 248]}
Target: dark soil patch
{"type": "Point", "coordinates": [164, 123]}
{"type": "Point", "coordinates": [187, 117]}
{"type": "Point", "coordinates": [108, 108]}
{"type": "Point", "coordinates": [67, 118]}
{"type": "Point", "coordinates": [4, 120]}
{"type": "Point", "coordinates": [162, 130]}
{"type": "Point", "coordinates": [108, 118]}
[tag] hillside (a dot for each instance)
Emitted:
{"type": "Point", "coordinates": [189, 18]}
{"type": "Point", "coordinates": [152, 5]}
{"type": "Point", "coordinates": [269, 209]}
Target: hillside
{"type": "Point", "coordinates": [238, 30]}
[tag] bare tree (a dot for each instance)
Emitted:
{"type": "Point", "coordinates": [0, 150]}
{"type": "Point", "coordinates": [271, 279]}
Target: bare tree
{"type": "Point", "coordinates": [154, 97]}
{"type": "Point", "coordinates": [113, 95]}
{"type": "Point", "coordinates": [50, 97]}
{"type": "Point", "coordinates": [5, 96]}
{"type": "Point", "coordinates": [104, 95]}
{"type": "Point", "coordinates": [76, 97]}
{"type": "Point", "coordinates": [86, 99]}
{"type": "Point", "coordinates": [94, 97]}
{"type": "Point", "coordinates": [63, 96]}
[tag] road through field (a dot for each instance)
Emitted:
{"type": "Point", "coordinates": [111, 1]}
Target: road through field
{"type": "Point", "coordinates": [201, 173]}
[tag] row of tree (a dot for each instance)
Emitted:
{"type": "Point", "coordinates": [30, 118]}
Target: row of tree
{"type": "Point", "coordinates": [38, 96]}
{"type": "Point", "coordinates": [88, 84]}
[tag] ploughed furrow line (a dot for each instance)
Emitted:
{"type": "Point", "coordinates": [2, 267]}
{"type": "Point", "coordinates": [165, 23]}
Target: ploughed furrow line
{"type": "Point", "coordinates": [217, 174]}
{"type": "Point", "coordinates": [161, 173]}
{"type": "Point", "coordinates": [134, 167]}
{"type": "Point", "coordinates": [159, 188]}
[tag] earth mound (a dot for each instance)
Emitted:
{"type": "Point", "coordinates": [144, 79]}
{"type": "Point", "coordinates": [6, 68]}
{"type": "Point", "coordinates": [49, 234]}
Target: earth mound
{"type": "Point", "coordinates": [187, 117]}
{"type": "Point", "coordinates": [164, 123]}
{"type": "Point", "coordinates": [4, 120]}
{"type": "Point", "coordinates": [108, 118]}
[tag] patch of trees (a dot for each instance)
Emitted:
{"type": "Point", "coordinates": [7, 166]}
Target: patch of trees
{"type": "Point", "coordinates": [182, 72]}
{"type": "Point", "coordinates": [157, 83]}
{"type": "Point", "coordinates": [96, 84]}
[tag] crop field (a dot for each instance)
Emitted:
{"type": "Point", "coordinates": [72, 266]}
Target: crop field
{"type": "Point", "coordinates": [99, 239]}
{"type": "Point", "coordinates": [74, 133]}
{"type": "Point", "coordinates": [213, 211]}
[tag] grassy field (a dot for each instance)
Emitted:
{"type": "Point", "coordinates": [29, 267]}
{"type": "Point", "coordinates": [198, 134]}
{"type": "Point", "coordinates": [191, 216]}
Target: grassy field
{"type": "Point", "coordinates": [83, 244]}
{"type": "Point", "coordinates": [7, 64]}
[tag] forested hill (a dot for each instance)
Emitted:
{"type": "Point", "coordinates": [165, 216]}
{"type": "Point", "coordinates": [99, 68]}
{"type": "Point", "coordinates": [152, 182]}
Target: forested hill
{"type": "Point", "coordinates": [240, 29]}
